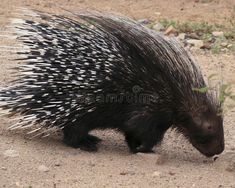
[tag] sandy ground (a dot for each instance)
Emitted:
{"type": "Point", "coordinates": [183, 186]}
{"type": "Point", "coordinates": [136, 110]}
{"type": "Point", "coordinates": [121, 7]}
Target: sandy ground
{"type": "Point", "coordinates": [49, 163]}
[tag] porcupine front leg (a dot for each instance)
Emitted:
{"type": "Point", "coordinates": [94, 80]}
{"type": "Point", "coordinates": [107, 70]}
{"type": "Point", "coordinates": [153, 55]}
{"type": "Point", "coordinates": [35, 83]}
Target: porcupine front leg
{"type": "Point", "coordinates": [78, 137]}
{"type": "Point", "coordinates": [143, 132]}
{"type": "Point", "coordinates": [139, 143]}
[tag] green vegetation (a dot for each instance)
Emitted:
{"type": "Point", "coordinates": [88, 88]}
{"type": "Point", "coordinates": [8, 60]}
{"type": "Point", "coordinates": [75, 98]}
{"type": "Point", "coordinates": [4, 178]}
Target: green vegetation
{"type": "Point", "coordinates": [204, 30]}
{"type": "Point", "coordinates": [191, 27]}
{"type": "Point", "coordinates": [224, 93]}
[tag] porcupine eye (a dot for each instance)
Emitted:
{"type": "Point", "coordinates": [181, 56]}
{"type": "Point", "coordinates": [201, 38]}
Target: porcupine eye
{"type": "Point", "coordinates": [206, 126]}
{"type": "Point", "coordinates": [205, 129]}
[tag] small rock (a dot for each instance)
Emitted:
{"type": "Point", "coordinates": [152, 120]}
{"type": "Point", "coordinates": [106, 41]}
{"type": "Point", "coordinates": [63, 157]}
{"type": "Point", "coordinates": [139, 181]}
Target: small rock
{"type": "Point", "coordinates": [156, 174]}
{"type": "Point", "coordinates": [224, 50]}
{"type": "Point", "coordinates": [206, 45]}
{"type": "Point", "coordinates": [92, 27]}
{"type": "Point", "coordinates": [157, 13]}
{"type": "Point", "coordinates": [11, 153]}
{"type": "Point", "coordinates": [123, 173]}
{"type": "Point", "coordinates": [127, 173]}
{"type": "Point", "coordinates": [43, 168]}
{"type": "Point", "coordinates": [170, 30]}
{"type": "Point", "coordinates": [158, 27]}
{"type": "Point", "coordinates": [196, 43]}
{"type": "Point", "coordinates": [57, 164]}
{"type": "Point", "coordinates": [232, 148]}
{"type": "Point", "coordinates": [218, 33]}
{"type": "Point", "coordinates": [3, 168]}
{"type": "Point", "coordinates": [229, 45]}
{"type": "Point", "coordinates": [172, 173]}
{"type": "Point", "coordinates": [224, 44]}
{"type": "Point", "coordinates": [193, 36]}
{"type": "Point", "coordinates": [172, 35]}
{"type": "Point", "coordinates": [231, 166]}
{"type": "Point", "coordinates": [181, 36]}
{"type": "Point", "coordinates": [143, 21]}
{"type": "Point", "coordinates": [17, 184]}
{"type": "Point", "coordinates": [159, 159]}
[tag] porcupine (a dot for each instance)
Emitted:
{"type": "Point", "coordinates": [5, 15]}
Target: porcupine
{"type": "Point", "coordinates": [73, 64]}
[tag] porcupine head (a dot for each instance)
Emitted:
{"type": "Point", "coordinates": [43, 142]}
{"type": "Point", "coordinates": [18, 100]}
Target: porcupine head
{"type": "Point", "coordinates": [203, 126]}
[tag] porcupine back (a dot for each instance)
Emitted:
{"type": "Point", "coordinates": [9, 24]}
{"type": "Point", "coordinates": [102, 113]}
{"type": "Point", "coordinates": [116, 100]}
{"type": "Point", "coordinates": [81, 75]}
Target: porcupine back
{"type": "Point", "coordinates": [68, 59]}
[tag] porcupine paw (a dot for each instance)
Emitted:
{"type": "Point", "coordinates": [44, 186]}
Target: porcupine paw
{"type": "Point", "coordinates": [144, 149]}
{"type": "Point", "coordinates": [141, 149]}
{"type": "Point", "coordinates": [136, 146]}
{"type": "Point", "coordinates": [131, 142]}
{"type": "Point", "coordinates": [87, 143]}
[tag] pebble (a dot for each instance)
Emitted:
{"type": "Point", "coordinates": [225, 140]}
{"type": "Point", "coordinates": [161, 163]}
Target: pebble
{"type": "Point", "coordinates": [224, 50]}
{"type": "Point", "coordinates": [143, 21]}
{"type": "Point", "coordinates": [181, 36]}
{"type": "Point", "coordinates": [43, 168]}
{"type": "Point", "coordinates": [156, 158]}
{"type": "Point", "coordinates": [224, 44]}
{"type": "Point", "coordinates": [17, 184]}
{"type": "Point", "coordinates": [196, 43]}
{"type": "Point", "coordinates": [193, 36]}
{"type": "Point", "coordinates": [218, 33]}
{"type": "Point", "coordinates": [170, 30]}
{"type": "Point", "coordinates": [158, 27]}
{"type": "Point", "coordinates": [156, 174]}
{"type": "Point", "coordinates": [172, 173]}
{"type": "Point", "coordinates": [157, 13]}
{"type": "Point", "coordinates": [11, 153]}
{"type": "Point", "coordinates": [127, 173]}
{"type": "Point", "coordinates": [57, 164]}
{"type": "Point", "coordinates": [3, 168]}
{"type": "Point", "coordinates": [232, 148]}
{"type": "Point", "coordinates": [206, 45]}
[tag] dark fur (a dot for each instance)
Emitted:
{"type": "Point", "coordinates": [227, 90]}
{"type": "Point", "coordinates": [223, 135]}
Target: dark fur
{"type": "Point", "coordinates": [143, 129]}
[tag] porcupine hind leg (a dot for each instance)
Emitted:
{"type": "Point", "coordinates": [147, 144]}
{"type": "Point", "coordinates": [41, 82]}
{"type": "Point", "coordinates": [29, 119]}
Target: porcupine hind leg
{"type": "Point", "coordinates": [143, 132]}
{"type": "Point", "coordinates": [78, 137]}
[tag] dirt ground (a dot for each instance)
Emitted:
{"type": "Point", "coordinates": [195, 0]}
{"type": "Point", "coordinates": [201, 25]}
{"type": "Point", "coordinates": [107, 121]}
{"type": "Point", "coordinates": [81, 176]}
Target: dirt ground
{"type": "Point", "coordinates": [49, 163]}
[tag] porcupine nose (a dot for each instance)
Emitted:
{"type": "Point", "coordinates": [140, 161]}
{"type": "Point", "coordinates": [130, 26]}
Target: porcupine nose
{"type": "Point", "coordinates": [216, 148]}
